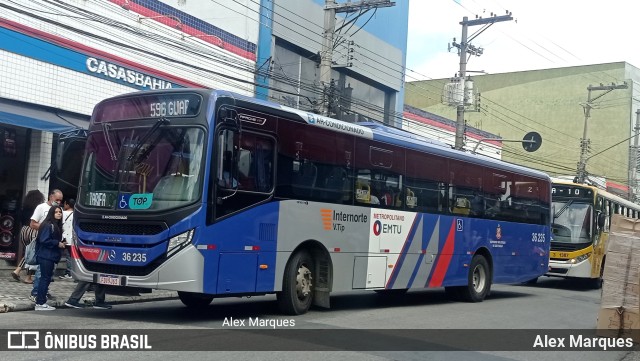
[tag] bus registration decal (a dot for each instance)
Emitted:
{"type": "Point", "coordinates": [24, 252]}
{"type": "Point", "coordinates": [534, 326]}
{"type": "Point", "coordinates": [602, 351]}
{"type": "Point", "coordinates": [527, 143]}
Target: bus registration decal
{"type": "Point", "coordinates": [109, 280]}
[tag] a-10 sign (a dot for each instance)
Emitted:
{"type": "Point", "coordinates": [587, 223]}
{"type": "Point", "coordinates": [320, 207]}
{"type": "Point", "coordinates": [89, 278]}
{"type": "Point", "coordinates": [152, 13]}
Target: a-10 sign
{"type": "Point", "coordinates": [571, 192]}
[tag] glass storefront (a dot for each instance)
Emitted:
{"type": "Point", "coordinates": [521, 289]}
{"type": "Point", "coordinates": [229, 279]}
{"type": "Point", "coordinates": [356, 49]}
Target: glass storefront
{"type": "Point", "coordinates": [14, 145]}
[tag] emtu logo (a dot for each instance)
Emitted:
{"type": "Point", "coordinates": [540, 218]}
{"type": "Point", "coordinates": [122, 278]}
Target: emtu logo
{"type": "Point", "coordinates": [327, 218]}
{"type": "Point", "coordinates": [377, 228]}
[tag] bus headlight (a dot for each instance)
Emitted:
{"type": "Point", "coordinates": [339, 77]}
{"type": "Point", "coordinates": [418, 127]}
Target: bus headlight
{"type": "Point", "coordinates": [178, 242]}
{"type": "Point", "coordinates": [580, 258]}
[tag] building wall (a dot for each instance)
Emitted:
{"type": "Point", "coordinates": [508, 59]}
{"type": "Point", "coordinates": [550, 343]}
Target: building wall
{"type": "Point", "coordinates": [376, 73]}
{"type": "Point", "coordinates": [187, 43]}
{"type": "Point", "coordinates": [70, 54]}
{"type": "Point", "coordinates": [88, 51]}
{"type": "Point", "coordinates": [549, 102]}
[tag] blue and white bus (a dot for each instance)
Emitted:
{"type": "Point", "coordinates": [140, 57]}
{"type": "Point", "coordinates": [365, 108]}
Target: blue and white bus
{"type": "Point", "coordinates": [214, 194]}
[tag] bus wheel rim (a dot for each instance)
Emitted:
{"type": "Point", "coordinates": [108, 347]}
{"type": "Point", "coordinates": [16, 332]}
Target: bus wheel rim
{"type": "Point", "coordinates": [479, 278]}
{"type": "Point", "coordinates": [303, 282]}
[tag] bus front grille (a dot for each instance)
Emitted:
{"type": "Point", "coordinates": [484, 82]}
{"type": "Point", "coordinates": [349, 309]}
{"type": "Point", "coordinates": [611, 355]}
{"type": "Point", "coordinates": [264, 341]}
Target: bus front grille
{"type": "Point", "coordinates": [122, 228]}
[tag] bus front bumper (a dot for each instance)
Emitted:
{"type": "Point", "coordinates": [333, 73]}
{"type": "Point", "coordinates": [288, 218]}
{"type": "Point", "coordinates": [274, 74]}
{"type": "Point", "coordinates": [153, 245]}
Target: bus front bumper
{"type": "Point", "coordinates": [182, 272]}
{"type": "Point", "coordinates": [568, 269]}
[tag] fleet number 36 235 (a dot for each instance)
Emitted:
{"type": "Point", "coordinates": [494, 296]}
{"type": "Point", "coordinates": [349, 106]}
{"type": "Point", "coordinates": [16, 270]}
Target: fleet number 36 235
{"type": "Point", "coordinates": [537, 237]}
{"type": "Point", "coordinates": [134, 257]}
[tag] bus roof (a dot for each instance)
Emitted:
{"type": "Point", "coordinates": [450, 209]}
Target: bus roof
{"type": "Point", "coordinates": [391, 135]}
{"type": "Point", "coordinates": [371, 130]}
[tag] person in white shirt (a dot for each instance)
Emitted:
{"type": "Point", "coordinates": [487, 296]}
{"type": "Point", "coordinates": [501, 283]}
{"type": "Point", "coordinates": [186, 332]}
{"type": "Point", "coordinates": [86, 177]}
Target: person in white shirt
{"type": "Point", "coordinates": [67, 234]}
{"type": "Point", "coordinates": [55, 199]}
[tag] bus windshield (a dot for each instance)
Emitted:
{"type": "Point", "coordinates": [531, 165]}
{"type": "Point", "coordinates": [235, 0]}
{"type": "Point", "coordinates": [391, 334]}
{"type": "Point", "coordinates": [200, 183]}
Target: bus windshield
{"type": "Point", "coordinates": [150, 168]}
{"type": "Point", "coordinates": [572, 222]}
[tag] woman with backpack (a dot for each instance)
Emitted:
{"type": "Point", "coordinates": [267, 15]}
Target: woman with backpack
{"type": "Point", "coordinates": [49, 248]}
{"type": "Point", "coordinates": [32, 199]}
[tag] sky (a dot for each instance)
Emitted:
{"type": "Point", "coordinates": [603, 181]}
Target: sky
{"type": "Point", "coordinates": [544, 34]}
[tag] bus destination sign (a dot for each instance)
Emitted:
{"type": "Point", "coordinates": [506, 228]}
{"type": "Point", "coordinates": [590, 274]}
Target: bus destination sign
{"type": "Point", "coordinates": [169, 105]}
{"type": "Point", "coordinates": [561, 191]}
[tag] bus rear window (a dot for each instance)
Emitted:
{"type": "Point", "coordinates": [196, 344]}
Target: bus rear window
{"type": "Point", "coordinates": [148, 106]}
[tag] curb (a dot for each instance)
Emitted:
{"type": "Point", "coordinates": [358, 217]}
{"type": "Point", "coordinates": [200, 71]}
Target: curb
{"type": "Point", "coordinates": [28, 305]}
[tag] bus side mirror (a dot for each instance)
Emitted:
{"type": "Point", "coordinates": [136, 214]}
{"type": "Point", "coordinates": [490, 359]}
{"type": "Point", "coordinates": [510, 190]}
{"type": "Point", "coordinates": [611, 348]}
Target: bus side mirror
{"type": "Point", "coordinates": [601, 219]}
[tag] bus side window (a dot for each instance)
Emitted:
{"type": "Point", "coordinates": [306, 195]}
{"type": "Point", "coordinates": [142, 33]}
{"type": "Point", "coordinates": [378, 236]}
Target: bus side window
{"type": "Point", "coordinates": [411, 199]}
{"type": "Point", "coordinates": [363, 191]}
{"type": "Point", "coordinates": [335, 185]}
{"type": "Point", "coordinates": [224, 170]}
{"type": "Point", "coordinates": [304, 178]}
{"type": "Point", "coordinates": [461, 206]}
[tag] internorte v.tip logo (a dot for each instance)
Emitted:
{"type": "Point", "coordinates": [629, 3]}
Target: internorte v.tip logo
{"type": "Point", "coordinates": [326, 215]}
{"type": "Point", "coordinates": [333, 220]}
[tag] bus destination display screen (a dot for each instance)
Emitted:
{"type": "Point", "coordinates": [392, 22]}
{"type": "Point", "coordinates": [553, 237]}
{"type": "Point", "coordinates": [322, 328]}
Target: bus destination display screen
{"type": "Point", "coordinates": [558, 191]}
{"type": "Point", "coordinates": [148, 106]}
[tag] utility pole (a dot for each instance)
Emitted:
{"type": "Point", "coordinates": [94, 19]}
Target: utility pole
{"type": "Point", "coordinates": [331, 8]}
{"type": "Point", "coordinates": [463, 48]}
{"type": "Point", "coordinates": [633, 177]}
{"type": "Point", "coordinates": [584, 142]}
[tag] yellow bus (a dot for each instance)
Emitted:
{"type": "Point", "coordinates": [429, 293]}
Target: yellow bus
{"type": "Point", "coordinates": [580, 230]}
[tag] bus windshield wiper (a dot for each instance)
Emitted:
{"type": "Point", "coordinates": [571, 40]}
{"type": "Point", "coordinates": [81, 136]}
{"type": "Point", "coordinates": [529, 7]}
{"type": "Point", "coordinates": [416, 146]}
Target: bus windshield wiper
{"type": "Point", "coordinates": [564, 208]}
{"type": "Point", "coordinates": [107, 140]}
{"type": "Point", "coordinates": [161, 121]}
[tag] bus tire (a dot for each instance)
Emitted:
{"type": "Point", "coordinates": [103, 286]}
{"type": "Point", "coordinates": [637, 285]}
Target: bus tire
{"type": "Point", "coordinates": [532, 281]}
{"type": "Point", "coordinates": [297, 285]}
{"type": "Point", "coordinates": [479, 281]}
{"type": "Point", "coordinates": [195, 300]}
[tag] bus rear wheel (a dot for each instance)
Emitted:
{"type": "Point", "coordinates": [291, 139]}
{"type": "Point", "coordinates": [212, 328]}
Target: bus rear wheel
{"type": "Point", "coordinates": [195, 300]}
{"type": "Point", "coordinates": [479, 281]}
{"type": "Point", "coordinates": [297, 286]}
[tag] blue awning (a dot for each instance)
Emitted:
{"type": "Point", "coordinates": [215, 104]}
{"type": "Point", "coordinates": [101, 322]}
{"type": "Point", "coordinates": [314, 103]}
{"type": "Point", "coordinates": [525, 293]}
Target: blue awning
{"type": "Point", "coordinates": [39, 117]}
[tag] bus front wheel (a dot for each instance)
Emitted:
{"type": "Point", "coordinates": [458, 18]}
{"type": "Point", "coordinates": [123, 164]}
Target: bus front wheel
{"type": "Point", "coordinates": [195, 300]}
{"type": "Point", "coordinates": [479, 281]}
{"type": "Point", "coordinates": [297, 286]}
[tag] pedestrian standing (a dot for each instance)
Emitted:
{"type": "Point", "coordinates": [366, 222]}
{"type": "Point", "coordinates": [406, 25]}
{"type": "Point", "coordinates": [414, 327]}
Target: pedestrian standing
{"type": "Point", "coordinates": [82, 287]}
{"type": "Point", "coordinates": [79, 291]}
{"type": "Point", "coordinates": [49, 248]}
{"type": "Point", "coordinates": [67, 234]}
{"type": "Point", "coordinates": [39, 215]}
{"type": "Point", "coordinates": [27, 234]}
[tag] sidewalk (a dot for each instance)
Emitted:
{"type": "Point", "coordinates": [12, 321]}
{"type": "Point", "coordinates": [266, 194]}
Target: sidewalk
{"type": "Point", "coordinates": [14, 296]}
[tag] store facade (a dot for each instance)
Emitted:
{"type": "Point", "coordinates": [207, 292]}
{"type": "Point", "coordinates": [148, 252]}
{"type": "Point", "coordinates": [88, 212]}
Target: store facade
{"type": "Point", "coordinates": [59, 59]}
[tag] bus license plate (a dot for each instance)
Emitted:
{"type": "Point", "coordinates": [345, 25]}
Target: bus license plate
{"type": "Point", "coordinates": [109, 280]}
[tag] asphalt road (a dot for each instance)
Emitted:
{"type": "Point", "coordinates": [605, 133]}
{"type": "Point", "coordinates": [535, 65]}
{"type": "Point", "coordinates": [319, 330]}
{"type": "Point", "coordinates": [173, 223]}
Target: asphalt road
{"type": "Point", "coordinates": [552, 304]}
